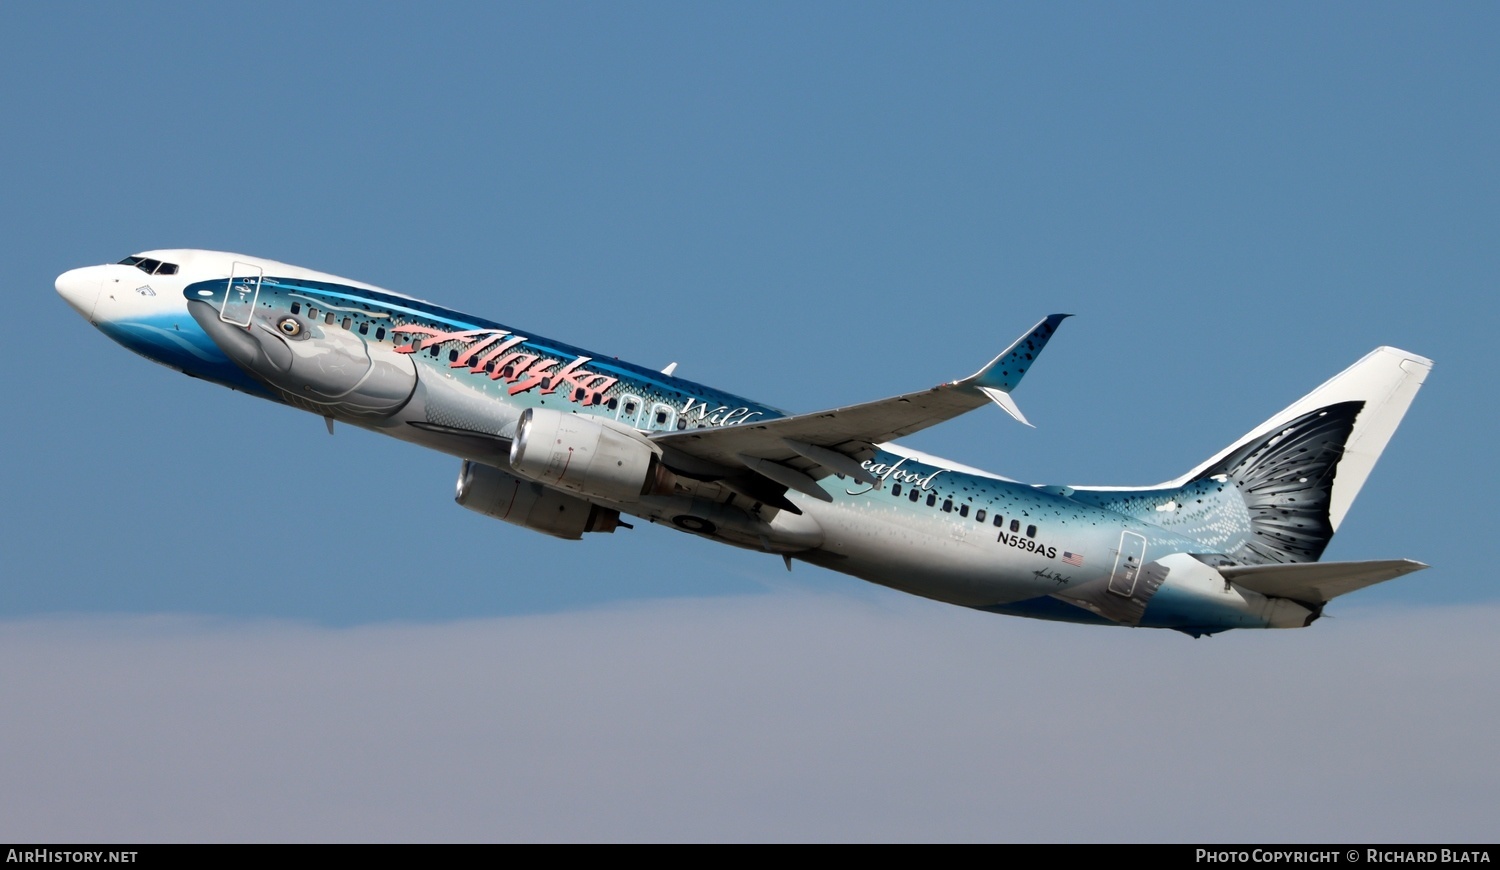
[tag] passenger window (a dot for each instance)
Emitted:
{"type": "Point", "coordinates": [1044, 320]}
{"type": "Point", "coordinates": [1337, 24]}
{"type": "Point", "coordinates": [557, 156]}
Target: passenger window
{"type": "Point", "coordinates": [915, 494]}
{"type": "Point", "coordinates": [348, 322]}
{"type": "Point", "coordinates": [931, 499]}
{"type": "Point", "coordinates": [296, 307]}
{"type": "Point", "coordinates": [453, 355]}
{"type": "Point", "coordinates": [979, 517]}
{"type": "Point", "coordinates": [999, 521]}
{"type": "Point", "coordinates": [1031, 531]}
{"type": "Point", "coordinates": [896, 490]}
{"type": "Point", "coordinates": [614, 403]}
{"type": "Point", "coordinates": [947, 505]}
{"type": "Point", "coordinates": [380, 334]}
{"type": "Point", "coordinates": [963, 510]}
{"type": "Point", "coordinates": [328, 318]}
{"type": "Point", "coordinates": [629, 409]}
{"type": "Point", "coordinates": [661, 418]}
{"type": "Point", "coordinates": [1015, 525]}
{"type": "Point", "coordinates": [364, 328]}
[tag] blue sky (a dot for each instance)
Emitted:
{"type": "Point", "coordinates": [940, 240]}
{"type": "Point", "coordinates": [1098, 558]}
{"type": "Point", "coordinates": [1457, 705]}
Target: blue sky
{"type": "Point", "coordinates": [806, 205]}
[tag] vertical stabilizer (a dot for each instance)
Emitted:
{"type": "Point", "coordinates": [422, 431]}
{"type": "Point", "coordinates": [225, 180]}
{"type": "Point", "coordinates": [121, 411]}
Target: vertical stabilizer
{"type": "Point", "coordinates": [1377, 390]}
{"type": "Point", "coordinates": [1278, 494]}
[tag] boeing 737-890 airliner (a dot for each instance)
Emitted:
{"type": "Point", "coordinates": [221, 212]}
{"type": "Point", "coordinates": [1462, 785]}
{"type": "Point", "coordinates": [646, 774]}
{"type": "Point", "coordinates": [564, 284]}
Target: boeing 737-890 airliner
{"type": "Point", "coordinates": [556, 439]}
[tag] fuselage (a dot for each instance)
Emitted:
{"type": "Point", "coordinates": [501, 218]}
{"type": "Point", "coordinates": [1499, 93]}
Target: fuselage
{"type": "Point", "coordinates": [406, 368]}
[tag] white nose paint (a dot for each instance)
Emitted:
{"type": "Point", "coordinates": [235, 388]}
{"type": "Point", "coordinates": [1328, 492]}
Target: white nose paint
{"type": "Point", "coordinates": [80, 289]}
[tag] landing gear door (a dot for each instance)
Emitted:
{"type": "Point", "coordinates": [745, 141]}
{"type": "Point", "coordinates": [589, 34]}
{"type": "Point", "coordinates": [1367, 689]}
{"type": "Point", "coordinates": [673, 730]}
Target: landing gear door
{"type": "Point", "coordinates": [1128, 561]}
{"type": "Point", "coordinates": [240, 296]}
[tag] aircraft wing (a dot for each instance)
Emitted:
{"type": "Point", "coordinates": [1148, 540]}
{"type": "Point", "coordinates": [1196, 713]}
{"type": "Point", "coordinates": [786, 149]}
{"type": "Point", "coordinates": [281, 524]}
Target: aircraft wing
{"type": "Point", "coordinates": [795, 451]}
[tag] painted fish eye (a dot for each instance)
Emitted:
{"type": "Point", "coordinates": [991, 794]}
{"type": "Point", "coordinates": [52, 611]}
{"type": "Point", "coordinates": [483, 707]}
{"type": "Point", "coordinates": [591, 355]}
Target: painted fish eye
{"type": "Point", "coordinates": [291, 327]}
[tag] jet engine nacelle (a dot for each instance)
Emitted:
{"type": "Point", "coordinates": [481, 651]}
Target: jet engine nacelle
{"type": "Point", "coordinates": [583, 455]}
{"type": "Point", "coordinates": [494, 493]}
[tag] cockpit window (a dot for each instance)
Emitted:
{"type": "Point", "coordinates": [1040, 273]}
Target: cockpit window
{"type": "Point", "coordinates": [145, 264]}
{"type": "Point", "coordinates": [150, 266]}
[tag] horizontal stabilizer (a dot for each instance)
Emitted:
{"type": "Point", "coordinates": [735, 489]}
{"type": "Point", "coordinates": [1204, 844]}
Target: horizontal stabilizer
{"type": "Point", "coordinates": [1317, 582]}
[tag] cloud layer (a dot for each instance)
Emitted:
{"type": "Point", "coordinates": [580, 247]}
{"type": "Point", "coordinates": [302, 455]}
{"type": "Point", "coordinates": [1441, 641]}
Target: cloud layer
{"type": "Point", "coordinates": [788, 716]}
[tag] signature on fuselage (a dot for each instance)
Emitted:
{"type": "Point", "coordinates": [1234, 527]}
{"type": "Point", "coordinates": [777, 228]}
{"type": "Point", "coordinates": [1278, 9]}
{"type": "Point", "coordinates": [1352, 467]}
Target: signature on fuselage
{"type": "Point", "coordinates": [1049, 574]}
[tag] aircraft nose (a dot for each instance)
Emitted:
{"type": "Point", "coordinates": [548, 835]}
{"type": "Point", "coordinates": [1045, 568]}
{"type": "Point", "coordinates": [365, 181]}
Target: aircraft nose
{"type": "Point", "coordinates": [80, 289]}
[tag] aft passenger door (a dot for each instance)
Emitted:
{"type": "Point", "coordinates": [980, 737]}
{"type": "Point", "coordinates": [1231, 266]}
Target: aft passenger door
{"type": "Point", "coordinates": [1128, 560]}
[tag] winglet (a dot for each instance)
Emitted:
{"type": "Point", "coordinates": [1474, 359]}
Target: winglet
{"type": "Point", "coordinates": [1005, 371]}
{"type": "Point", "coordinates": [1003, 399]}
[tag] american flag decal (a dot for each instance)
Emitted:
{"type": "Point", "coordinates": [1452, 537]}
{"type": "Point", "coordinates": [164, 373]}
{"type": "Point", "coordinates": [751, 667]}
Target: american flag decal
{"type": "Point", "coordinates": [1074, 559]}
